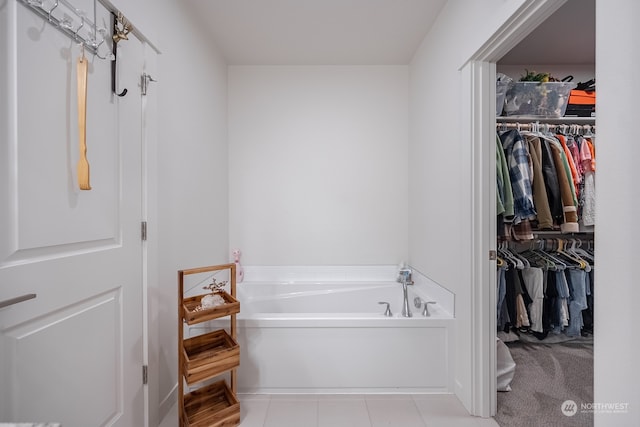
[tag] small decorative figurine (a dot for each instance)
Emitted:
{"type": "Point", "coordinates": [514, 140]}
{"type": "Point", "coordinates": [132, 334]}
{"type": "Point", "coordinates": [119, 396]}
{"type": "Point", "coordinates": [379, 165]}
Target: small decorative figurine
{"type": "Point", "coordinates": [213, 299]}
{"type": "Point", "coordinates": [239, 269]}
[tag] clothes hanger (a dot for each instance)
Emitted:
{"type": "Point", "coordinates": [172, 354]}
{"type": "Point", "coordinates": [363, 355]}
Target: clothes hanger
{"type": "Point", "coordinates": [531, 257]}
{"type": "Point", "coordinates": [559, 264]}
{"type": "Point", "coordinates": [579, 252]}
{"type": "Point", "coordinates": [562, 250]}
{"type": "Point", "coordinates": [568, 258]}
{"type": "Point", "coordinates": [510, 257]}
{"type": "Point", "coordinates": [538, 260]}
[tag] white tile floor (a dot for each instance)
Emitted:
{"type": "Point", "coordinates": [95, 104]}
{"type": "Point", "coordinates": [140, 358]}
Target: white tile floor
{"type": "Point", "coordinates": [350, 411]}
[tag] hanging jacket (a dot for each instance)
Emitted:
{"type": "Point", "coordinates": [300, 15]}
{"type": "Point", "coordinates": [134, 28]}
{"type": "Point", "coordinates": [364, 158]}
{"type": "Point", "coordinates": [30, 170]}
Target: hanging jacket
{"type": "Point", "coordinates": [517, 154]}
{"type": "Point", "coordinates": [570, 224]}
{"type": "Point", "coordinates": [551, 183]}
{"type": "Point", "coordinates": [504, 193]}
{"type": "Point", "coordinates": [540, 199]}
{"type": "Point", "coordinates": [564, 164]}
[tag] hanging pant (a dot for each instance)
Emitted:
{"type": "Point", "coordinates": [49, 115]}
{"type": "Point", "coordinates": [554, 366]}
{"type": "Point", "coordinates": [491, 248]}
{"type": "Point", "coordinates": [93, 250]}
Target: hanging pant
{"type": "Point", "coordinates": [587, 315]}
{"type": "Point", "coordinates": [563, 296]}
{"type": "Point", "coordinates": [577, 280]}
{"type": "Point", "coordinates": [533, 280]}
{"type": "Point", "coordinates": [503, 312]}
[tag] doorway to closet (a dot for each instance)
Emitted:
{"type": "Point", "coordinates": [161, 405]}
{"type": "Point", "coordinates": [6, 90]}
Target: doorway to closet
{"type": "Point", "coordinates": [545, 348]}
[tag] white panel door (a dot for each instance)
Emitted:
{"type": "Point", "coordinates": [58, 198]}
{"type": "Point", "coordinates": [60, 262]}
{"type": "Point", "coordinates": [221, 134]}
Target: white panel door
{"type": "Point", "coordinates": [73, 354]}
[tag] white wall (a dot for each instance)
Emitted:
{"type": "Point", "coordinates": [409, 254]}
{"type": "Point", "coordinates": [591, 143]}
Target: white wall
{"type": "Point", "coordinates": [438, 229]}
{"type": "Point", "coordinates": [192, 186]}
{"type": "Point", "coordinates": [318, 164]}
{"type": "Point", "coordinates": [434, 116]}
{"type": "Point", "coordinates": [617, 233]}
{"type": "Point", "coordinates": [440, 161]}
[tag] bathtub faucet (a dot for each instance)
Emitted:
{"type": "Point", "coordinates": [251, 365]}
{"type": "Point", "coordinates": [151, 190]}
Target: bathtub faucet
{"type": "Point", "coordinates": [404, 277]}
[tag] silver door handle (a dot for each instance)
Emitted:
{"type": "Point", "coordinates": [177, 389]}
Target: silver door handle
{"type": "Point", "coordinates": [16, 300]}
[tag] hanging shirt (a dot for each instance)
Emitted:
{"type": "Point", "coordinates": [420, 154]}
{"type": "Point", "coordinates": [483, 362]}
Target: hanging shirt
{"type": "Point", "coordinates": [504, 192]}
{"type": "Point", "coordinates": [572, 167]}
{"type": "Point", "coordinates": [588, 199]}
{"type": "Point", "coordinates": [520, 171]}
{"type": "Point", "coordinates": [587, 155]}
{"type": "Point", "coordinates": [574, 147]}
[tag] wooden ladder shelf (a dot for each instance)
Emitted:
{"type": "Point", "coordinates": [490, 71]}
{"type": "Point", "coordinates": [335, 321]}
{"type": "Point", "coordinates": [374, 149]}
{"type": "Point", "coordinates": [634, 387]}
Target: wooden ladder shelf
{"type": "Point", "coordinates": [203, 357]}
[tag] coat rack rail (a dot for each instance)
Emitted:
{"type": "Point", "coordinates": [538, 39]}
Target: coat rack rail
{"type": "Point", "coordinates": [71, 21]}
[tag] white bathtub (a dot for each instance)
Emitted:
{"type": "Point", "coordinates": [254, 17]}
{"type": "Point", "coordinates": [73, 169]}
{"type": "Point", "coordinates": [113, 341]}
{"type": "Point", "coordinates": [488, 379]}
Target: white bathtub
{"type": "Point", "coordinates": [327, 300]}
{"type": "Point", "coordinates": [332, 337]}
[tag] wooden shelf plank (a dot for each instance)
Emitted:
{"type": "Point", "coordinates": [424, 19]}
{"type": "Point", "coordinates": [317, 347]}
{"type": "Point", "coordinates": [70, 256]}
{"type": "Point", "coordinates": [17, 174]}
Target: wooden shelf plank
{"type": "Point", "coordinates": [211, 406]}
{"type": "Point", "coordinates": [208, 355]}
{"type": "Point", "coordinates": [192, 315]}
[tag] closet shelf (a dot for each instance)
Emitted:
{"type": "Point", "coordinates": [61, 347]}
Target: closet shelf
{"type": "Point", "coordinates": [558, 120]}
{"type": "Point", "coordinates": [559, 233]}
{"type": "Point", "coordinates": [208, 355]}
{"type": "Point", "coordinates": [211, 406]}
{"type": "Point", "coordinates": [193, 315]}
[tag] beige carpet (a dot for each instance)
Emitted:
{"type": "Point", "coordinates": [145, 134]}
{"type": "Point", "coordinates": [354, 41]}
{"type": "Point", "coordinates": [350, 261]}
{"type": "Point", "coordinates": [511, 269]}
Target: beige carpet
{"type": "Point", "coordinates": [546, 376]}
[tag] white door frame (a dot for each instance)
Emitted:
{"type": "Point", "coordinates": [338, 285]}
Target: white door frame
{"type": "Point", "coordinates": [150, 243]}
{"type": "Point", "coordinates": [479, 94]}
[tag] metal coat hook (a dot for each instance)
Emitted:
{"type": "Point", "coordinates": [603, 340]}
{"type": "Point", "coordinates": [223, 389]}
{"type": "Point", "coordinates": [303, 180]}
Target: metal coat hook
{"type": "Point", "coordinates": [81, 15]}
{"type": "Point", "coordinates": [51, 10]}
{"type": "Point", "coordinates": [118, 35]}
{"type": "Point", "coordinates": [145, 79]}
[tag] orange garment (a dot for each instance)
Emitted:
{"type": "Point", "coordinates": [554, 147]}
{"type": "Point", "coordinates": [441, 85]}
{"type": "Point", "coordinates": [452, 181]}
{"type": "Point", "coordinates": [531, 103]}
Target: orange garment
{"type": "Point", "coordinates": [588, 155]}
{"type": "Point", "coordinates": [592, 148]}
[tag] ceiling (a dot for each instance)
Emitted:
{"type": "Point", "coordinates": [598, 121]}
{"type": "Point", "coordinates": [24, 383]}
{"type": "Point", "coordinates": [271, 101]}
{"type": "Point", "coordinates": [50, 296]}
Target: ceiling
{"type": "Point", "coordinates": [566, 37]}
{"type": "Point", "coordinates": [317, 32]}
{"type": "Point", "coordinates": [370, 32]}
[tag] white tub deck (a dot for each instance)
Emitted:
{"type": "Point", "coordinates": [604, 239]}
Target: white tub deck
{"type": "Point", "coordinates": [332, 337]}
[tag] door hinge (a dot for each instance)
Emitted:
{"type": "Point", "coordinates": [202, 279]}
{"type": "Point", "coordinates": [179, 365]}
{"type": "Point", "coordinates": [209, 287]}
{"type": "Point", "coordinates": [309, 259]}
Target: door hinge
{"type": "Point", "coordinates": [493, 255]}
{"type": "Point", "coordinates": [143, 230]}
{"type": "Point", "coordinates": [145, 374]}
{"type": "Point", "coordinates": [144, 82]}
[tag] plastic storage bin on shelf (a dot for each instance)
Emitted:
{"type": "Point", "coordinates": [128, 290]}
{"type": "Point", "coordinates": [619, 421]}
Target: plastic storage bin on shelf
{"type": "Point", "coordinates": [537, 99]}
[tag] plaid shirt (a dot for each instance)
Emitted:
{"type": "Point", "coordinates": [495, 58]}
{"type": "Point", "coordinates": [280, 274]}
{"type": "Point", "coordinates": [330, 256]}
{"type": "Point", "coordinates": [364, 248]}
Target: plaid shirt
{"type": "Point", "coordinates": [516, 152]}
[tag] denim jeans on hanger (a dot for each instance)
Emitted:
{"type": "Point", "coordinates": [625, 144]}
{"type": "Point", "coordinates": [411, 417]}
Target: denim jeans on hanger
{"type": "Point", "coordinates": [577, 279]}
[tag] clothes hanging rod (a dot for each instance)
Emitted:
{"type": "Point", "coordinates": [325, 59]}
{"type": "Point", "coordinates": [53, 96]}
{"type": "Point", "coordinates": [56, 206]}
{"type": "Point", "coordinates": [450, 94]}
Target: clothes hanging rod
{"type": "Point", "coordinates": [542, 125]}
{"type": "Point", "coordinates": [566, 127]}
{"type": "Point", "coordinates": [81, 30]}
